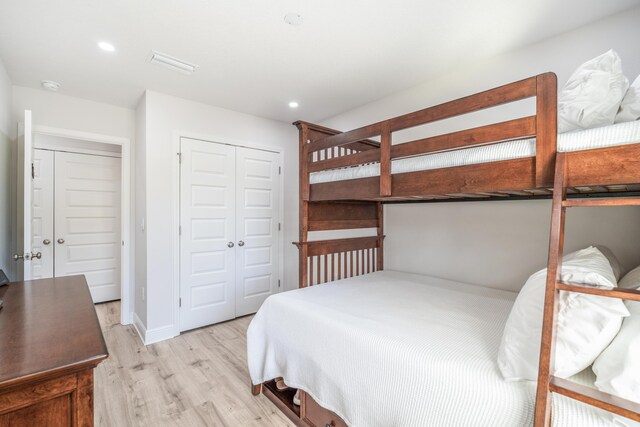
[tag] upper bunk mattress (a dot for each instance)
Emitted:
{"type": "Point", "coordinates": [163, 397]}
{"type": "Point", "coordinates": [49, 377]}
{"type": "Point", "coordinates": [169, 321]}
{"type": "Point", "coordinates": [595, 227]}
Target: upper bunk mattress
{"type": "Point", "coordinates": [398, 349]}
{"type": "Point", "coordinates": [607, 136]}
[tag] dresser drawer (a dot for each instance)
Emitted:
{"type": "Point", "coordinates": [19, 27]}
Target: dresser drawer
{"type": "Point", "coordinates": [317, 416]}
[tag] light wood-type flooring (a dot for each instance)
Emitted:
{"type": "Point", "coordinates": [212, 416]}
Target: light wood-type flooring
{"type": "Point", "coordinates": [197, 379]}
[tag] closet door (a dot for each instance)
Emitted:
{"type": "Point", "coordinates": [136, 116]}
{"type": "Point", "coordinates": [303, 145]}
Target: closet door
{"type": "Point", "coordinates": [257, 234]}
{"type": "Point", "coordinates": [87, 221]}
{"type": "Point", "coordinates": [207, 241]}
{"type": "Point", "coordinates": [42, 214]}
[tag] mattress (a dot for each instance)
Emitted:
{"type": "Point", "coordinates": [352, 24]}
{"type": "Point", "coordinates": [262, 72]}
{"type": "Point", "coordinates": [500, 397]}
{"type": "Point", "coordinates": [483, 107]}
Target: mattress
{"type": "Point", "coordinates": [397, 349]}
{"type": "Point", "coordinates": [587, 139]}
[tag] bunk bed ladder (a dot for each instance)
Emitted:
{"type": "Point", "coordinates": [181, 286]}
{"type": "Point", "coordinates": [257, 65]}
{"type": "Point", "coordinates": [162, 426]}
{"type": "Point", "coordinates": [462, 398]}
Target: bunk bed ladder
{"type": "Point", "coordinates": [547, 383]}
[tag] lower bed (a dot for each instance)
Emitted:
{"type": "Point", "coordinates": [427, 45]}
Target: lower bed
{"type": "Point", "coordinates": [588, 139]}
{"type": "Point", "coordinates": [398, 349]}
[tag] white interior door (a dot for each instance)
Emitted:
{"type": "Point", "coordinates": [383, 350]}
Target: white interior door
{"type": "Point", "coordinates": [23, 208]}
{"type": "Point", "coordinates": [257, 212]}
{"type": "Point", "coordinates": [87, 221]}
{"type": "Point", "coordinates": [42, 214]}
{"type": "Point", "coordinates": [207, 222]}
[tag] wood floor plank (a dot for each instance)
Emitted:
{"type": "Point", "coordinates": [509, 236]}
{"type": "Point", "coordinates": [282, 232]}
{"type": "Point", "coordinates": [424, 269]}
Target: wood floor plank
{"type": "Point", "coordinates": [199, 378]}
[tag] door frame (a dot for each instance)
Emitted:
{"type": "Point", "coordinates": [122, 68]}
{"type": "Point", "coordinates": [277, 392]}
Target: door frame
{"type": "Point", "coordinates": [175, 171]}
{"type": "Point", "coordinates": [127, 297]}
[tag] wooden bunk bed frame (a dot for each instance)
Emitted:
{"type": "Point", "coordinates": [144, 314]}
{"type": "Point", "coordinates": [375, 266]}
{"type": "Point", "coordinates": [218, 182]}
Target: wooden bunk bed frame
{"type": "Point", "coordinates": [358, 203]}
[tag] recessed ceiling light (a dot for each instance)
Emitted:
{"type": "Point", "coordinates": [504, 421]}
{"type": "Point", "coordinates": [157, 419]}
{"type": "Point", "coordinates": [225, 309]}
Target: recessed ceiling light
{"type": "Point", "coordinates": [293, 19]}
{"type": "Point", "coordinates": [107, 47]}
{"type": "Point", "coordinates": [50, 85]}
{"type": "Point", "coordinates": [293, 104]}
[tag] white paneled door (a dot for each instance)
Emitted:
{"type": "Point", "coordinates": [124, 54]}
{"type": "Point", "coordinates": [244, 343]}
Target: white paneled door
{"type": "Point", "coordinates": [207, 257]}
{"type": "Point", "coordinates": [87, 221]}
{"type": "Point", "coordinates": [257, 212]}
{"type": "Point", "coordinates": [42, 214]}
{"type": "Point", "coordinates": [229, 210]}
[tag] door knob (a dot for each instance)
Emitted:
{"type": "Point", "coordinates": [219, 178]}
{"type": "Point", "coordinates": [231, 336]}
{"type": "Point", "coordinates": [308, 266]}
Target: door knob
{"type": "Point", "coordinates": [37, 255]}
{"type": "Point", "coordinates": [240, 243]}
{"type": "Point", "coordinates": [46, 241]}
{"type": "Point", "coordinates": [61, 240]}
{"type": "Point", "coordinates": [230, 244]}
{"type": "Point", "coordinates": [16, 257]}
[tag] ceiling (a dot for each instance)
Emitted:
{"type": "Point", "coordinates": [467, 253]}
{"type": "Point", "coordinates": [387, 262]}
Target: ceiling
{"type": "Point", "coordinates": [345, 54]}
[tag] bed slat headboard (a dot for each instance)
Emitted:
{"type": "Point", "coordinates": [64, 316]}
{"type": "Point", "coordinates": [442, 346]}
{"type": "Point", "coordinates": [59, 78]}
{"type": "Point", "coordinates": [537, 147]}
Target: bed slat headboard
{"type": "Point", "coordinates": [329, 260]}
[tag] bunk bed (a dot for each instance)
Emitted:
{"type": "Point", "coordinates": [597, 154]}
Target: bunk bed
{"type": "Point", "coordinates": [346, 177]}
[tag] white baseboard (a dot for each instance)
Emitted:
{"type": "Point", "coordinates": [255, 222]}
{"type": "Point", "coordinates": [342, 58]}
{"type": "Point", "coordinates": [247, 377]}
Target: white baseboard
{"type": "Point", "coordinates": [159, 334]}
{"type": "Point", "coordinates": [150, 336]}
{"type": "Point", "coordinates": [139, 326]}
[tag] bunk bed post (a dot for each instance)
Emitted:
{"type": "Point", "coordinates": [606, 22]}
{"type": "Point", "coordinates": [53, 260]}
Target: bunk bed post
{"type": "Point", "coordinates": [385, 160]}
{"type": "Point", "coordinates": [380, 254]}
{"type": "Point", "coordinates": [303, 248]}
{"type": "Point", "coordinates": [546, 127]}
{"type": "Point", "coordinates": [303, 129]}
{"type": "Point", "coordinates": [556, 243]}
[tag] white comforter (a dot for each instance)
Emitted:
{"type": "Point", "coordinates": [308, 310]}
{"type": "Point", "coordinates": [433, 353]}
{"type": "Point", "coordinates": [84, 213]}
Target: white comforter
{"type": "Point", "coordinates": [397, 349]}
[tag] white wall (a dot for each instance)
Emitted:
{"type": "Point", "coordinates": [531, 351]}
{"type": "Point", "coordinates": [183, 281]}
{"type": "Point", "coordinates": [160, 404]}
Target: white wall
{"type": "Point", "coordinates": [65, 112]}
{"type": "Point", "coordinates": [7, 136]}
{"type": "Point", "coordinates": [6, 125]}
{"type": "Point", "coordinates": [167, 117]}
{"type": "Point", "coordinates": [498, 244]}
{"type": "Point", "coordinates": [561, 54]}
{"type": "Point", "coordinates": [494, 243]}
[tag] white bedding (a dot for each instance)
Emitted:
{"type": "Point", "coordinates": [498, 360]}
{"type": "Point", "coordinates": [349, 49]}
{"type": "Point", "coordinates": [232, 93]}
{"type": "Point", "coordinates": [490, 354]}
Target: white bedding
{"type": "Point", "coordinates": [397, 349]}
{"type": "Point", "coordinates": [607, 136]}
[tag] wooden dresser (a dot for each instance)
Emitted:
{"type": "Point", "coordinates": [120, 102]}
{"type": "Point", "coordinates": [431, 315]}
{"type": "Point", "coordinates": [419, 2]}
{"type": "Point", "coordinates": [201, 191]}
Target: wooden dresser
{"type": "Point", "coordinates": [50, 342]}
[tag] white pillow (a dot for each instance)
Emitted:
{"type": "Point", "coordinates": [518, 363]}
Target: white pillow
{"type": "Point", "coordinates": [630, 106]}
{"type": "Point", "coordinates": [617, 369]}
{"type": "Point", "coordinates": [613, 260]}
{"type": "Point", "coordinates": [586, 323]}
{"type": "Point", "coordinates": [631, 280]}
{"type": "Point", "coordinates": [593, 94]}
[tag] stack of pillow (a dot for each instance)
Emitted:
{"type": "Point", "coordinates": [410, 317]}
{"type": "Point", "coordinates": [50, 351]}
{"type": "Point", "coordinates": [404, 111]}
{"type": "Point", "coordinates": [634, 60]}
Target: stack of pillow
{"type": "Point", "coordinates": [617, 368]}
{"type": "Point", "coordinates": [591, 330]}
{"type": "Point", "coordinates": [598, 94]}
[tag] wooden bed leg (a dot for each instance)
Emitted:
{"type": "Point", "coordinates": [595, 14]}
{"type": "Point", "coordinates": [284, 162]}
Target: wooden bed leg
{"type": "Point", "coordinates": [256, 389]}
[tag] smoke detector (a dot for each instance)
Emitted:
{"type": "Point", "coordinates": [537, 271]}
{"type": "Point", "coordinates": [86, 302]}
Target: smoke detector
{"type": "Point", "coordinates": [50, 85]}
{"type": "Point", "coordinates": [293, 19]}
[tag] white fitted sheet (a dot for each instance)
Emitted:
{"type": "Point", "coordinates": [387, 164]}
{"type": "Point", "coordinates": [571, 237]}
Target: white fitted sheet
{"type": "Point", "coordinates": [607, 136]}
{"type": "Point", "coordinates": [398, 349]}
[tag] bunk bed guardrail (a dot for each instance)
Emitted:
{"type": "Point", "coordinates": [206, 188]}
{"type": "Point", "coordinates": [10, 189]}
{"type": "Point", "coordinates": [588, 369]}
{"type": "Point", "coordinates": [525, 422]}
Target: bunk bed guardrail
{"type": "Point", "coordinates": [339, 150]}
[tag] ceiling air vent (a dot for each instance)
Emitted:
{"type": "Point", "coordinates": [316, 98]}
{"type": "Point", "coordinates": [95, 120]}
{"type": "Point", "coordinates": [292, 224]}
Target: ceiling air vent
{"type": "Point", "coordinates": [172, 63]}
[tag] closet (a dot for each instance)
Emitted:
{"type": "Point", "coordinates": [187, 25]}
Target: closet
{"type": "Point", "coordinates": [76, 219]}
{"type": "Point", "coordinates": [229, 230]}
